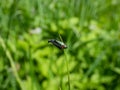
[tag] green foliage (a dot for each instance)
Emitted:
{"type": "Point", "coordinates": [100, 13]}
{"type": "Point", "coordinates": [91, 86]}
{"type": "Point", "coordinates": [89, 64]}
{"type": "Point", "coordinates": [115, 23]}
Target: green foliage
{"type": "Point", "coordinates": [89, 28]}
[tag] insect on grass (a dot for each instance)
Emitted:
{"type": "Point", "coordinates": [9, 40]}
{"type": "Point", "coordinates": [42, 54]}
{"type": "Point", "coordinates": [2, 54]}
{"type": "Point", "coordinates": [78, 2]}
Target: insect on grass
{"type": "Point", "coordinates": [62, 46]}
{"type": "Point", "coordinates": [57, 43]}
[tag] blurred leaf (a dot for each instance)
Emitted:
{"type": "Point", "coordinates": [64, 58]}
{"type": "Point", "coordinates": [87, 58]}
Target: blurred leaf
{"type": "Point", "coordinates": [2, 66]}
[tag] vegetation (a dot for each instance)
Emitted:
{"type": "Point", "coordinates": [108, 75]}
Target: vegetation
{"type": "Point", "coordinates": [89, 28]}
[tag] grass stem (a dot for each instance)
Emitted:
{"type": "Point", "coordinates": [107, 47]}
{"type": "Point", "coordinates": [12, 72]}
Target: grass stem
{"type": "Point", "coordinates": [12, 63]}
{"type": "Point", "coordinates": [67, 66]}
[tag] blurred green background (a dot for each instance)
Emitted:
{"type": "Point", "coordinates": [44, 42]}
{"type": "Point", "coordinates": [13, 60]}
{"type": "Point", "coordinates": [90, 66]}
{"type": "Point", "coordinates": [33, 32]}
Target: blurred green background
{"type": "Point", "coordinates": [90, 29]}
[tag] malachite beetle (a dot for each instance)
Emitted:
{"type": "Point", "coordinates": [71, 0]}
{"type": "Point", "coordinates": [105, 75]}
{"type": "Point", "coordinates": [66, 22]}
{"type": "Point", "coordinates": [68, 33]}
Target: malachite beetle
{"type": "Point", "coordinates": [57, 43]}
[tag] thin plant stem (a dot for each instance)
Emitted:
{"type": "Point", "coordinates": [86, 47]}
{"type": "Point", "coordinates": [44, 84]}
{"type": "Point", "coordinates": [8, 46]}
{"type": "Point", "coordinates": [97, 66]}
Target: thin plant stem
{"type": "Point", "coordinates": [31, 68]}
{"type": "Point", "coordinates": [12, 63]}
{"type": "Point", "coordinates": [61, 81]}
{"type": "Point", "coordinates": [61, 78]}
{"type": "Point", "coordinates": [67, 66]}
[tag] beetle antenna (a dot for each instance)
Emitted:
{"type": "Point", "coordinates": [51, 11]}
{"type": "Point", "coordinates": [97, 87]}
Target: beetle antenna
{"type": "Point", "coordinates": [60, 38]}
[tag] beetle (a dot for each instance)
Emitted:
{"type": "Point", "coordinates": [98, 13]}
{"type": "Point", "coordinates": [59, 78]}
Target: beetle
{"type": "Point", "coordinates": [57, 43]}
